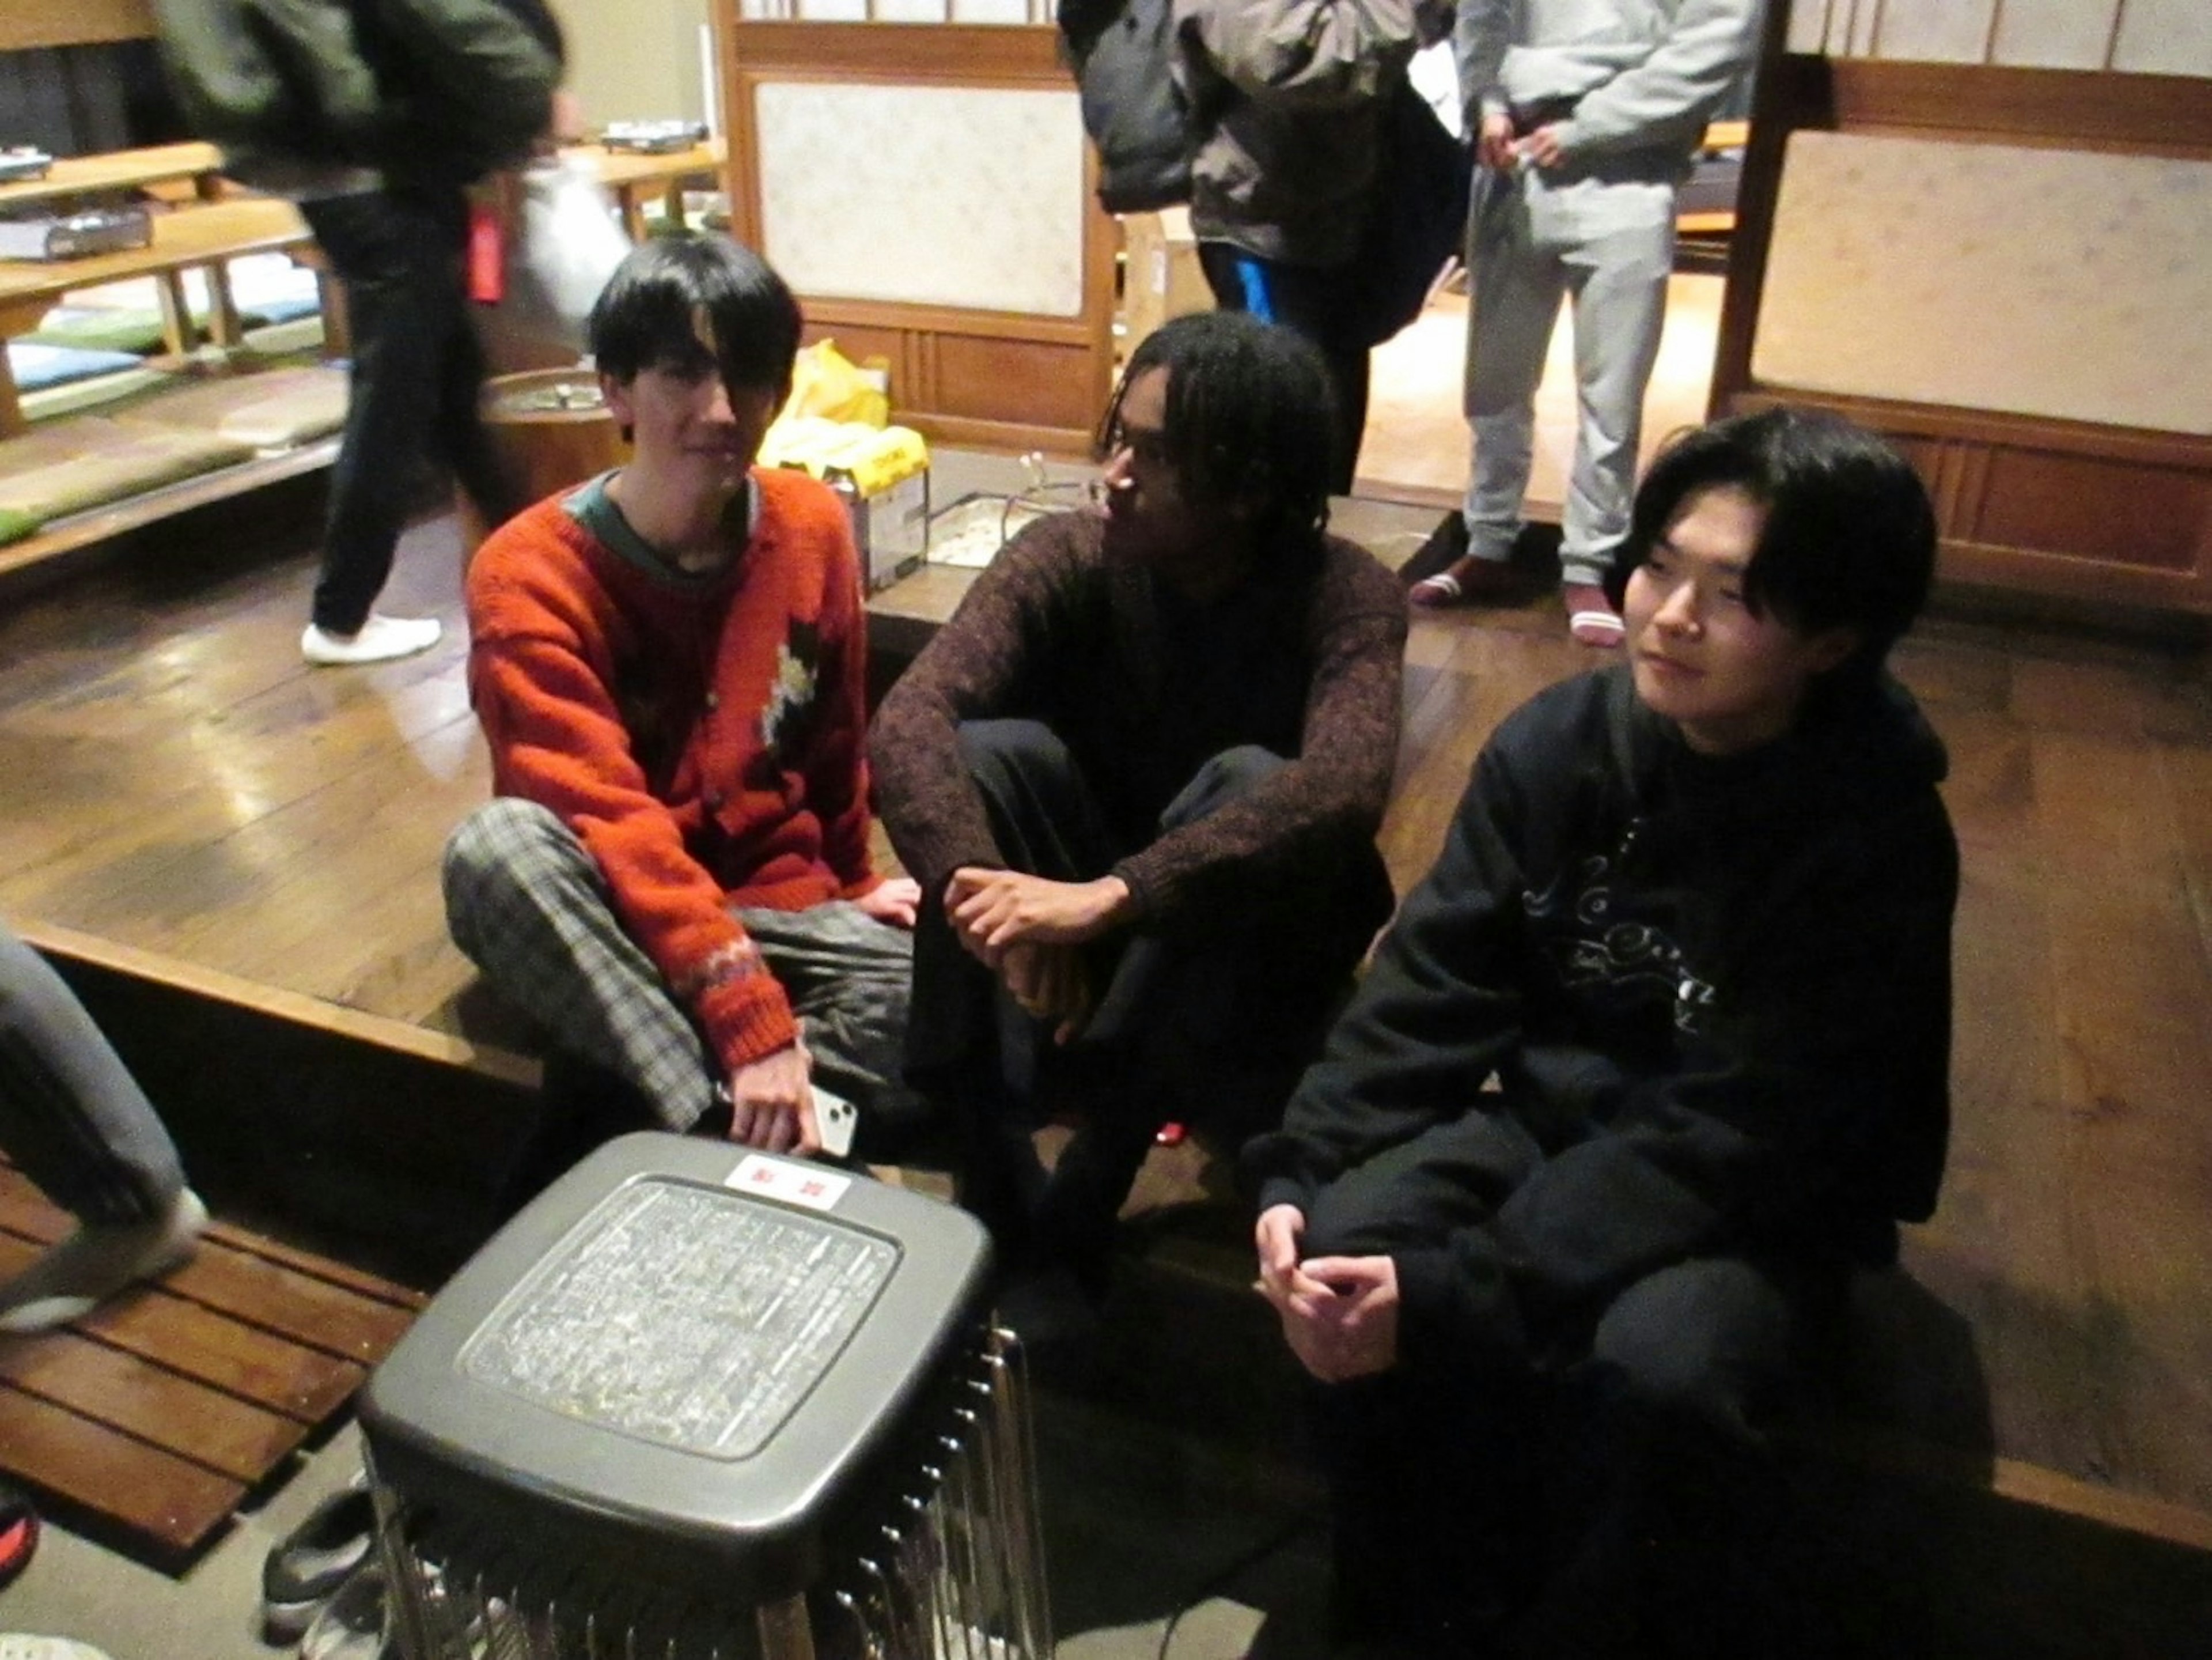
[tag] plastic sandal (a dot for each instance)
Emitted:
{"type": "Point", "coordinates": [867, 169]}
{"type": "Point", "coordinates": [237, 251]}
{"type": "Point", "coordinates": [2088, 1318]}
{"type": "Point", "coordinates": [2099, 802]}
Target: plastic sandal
{"type": "Point", "coordinates": [1436, 592]}
{"type": "Point", "coordinates": [1599, 630]}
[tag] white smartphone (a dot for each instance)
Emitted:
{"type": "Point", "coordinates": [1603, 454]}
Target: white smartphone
{"type": "Point", "coordinates": [835, 1118]}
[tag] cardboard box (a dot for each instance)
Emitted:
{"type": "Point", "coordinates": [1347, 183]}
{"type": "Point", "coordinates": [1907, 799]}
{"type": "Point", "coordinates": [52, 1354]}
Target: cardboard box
{"type": "Point", "coordinates": [1161, 276]}
{"type": "Point", "coordinates": [881, 475]}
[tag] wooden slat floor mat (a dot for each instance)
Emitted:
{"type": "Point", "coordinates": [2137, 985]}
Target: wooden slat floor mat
{"type": "Point", "coordinates": [160, 1411]}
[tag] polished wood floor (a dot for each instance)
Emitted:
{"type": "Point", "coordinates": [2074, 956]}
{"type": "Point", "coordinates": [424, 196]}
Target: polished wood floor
{"type": "Point", "coordinates": [176, 784]}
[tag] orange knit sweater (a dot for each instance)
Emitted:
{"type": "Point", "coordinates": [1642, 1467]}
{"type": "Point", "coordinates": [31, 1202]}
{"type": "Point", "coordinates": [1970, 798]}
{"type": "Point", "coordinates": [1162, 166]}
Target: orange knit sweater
{"type": "Point", "coordinates": [702, 737]}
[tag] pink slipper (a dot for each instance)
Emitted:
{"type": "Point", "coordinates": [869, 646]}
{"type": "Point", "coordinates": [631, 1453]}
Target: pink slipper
{"type": "Point", "coordinates": [1591, 620]}
{"type": "Point", "coordinates": [1437, 593]}
{"type": "Point", "coordinates": [1469, 581]}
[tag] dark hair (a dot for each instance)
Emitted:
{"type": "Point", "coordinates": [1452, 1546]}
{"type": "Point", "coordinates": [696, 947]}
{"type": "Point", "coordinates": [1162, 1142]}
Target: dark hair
{"type": "Point", "coordinates": [1850, 536]}
{"type": "Point", "coordinates": [1251, 420]}
{"type": "Point", "coordinates": [642, 319]}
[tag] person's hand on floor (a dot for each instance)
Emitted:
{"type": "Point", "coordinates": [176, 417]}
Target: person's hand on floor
{"type": "Point", "coordinates": [772, 1104]}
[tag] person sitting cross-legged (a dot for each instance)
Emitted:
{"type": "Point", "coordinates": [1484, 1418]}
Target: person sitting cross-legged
{"type": "Point", "coordinates": [1139, 776]}
{"type": "Point", "coordinates": [1692, 919]}
{"type": "Point", "coordinates": [669, 664]}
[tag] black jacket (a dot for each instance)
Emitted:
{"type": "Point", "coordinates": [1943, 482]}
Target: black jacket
{"type": "Point", "coordinates": [1717, 993]}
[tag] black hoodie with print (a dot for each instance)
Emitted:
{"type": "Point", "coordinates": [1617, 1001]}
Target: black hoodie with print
{"type": "Point", "coordinates": [1716, 992]}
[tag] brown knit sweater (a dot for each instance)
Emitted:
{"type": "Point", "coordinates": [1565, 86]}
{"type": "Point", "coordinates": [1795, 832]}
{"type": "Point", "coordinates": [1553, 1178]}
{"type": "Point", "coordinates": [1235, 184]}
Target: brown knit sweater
{"type": "Point", "coordinates": [1143, 688]}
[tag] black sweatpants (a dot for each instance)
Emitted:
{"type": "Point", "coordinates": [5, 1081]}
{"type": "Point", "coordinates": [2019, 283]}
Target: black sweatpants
{"type": "Point", "coordinates": [1586, 1484]}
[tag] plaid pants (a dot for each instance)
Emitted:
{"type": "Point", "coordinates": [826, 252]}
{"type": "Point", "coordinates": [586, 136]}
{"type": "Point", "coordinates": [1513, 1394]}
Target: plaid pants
{"type": "Point", "coordinates": [529, 907]}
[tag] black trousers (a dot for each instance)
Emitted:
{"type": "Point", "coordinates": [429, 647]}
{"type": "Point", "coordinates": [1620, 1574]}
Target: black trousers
{"type": "Point", "coordinates": [1211, 1024]}
{"type": "Point", "coordinates": [1317, 302]}
{"type": "Point", "coordinates": [1590, 1484]}
{"type": "Point", "coordinates": [417, 371]}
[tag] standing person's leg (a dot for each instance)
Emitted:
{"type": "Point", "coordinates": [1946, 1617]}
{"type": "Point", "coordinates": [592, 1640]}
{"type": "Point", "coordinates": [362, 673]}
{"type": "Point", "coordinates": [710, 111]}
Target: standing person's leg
{"type": "Point", "coordinates": [463, 442]}
{"type": "Point", "coordinates": [528, 906]}
{"type": "Point", "coordinates": [77, 1122]}
{"type": "Point", "coordinates": [1515, 287]}
{"type": "Point", "coordinates": [1621, 252]}
{"type": "Point", "coordinates": [398, 256]}
{"type": "Point", "coordinates": [1314, 302]}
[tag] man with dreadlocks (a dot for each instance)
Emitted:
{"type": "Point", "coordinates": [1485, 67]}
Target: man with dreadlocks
{"type": "Point", "coordinates": [1139, 776]}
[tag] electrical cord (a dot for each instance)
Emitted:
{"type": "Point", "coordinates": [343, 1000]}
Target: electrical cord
{"type": "Point", "coordinates": [1236, 1566]}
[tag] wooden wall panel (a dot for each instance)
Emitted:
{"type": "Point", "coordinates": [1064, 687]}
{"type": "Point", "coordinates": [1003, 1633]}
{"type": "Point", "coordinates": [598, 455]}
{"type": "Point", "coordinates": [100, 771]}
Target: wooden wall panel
{"type": "Point", "coordinates": [2062, 508]}
{"type": "Point", "coordinates": [1002, 380]}
{"type": "Point", "coordinates": [2119, 517]}
{"type": "Point", "coordinates": [2097, 508]}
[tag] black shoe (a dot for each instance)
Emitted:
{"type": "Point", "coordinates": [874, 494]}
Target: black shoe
{"type": "Point", "coordinates": [351, 1624]}
{"type": "Point", "coordinates": [306, 1568]}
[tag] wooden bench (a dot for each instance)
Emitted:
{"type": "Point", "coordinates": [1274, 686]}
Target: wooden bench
{"type": "Point", "coordinates": [201, 238]}
{"type": "Point", "coordinates": [115, 171]}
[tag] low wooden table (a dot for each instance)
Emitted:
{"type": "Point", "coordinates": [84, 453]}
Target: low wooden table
{"type": "Point", "coordinates": [636, 177]}
{"type": "Point", "coordinates": [201, 165]}
{"type": "Point", "coordinates": [198, 237]}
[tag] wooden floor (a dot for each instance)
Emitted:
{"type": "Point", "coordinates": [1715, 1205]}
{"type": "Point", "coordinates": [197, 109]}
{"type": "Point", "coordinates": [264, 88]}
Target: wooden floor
{"type": "Point", "coordinates": [151, 1419]}
{"type": "Point", "coordinates": [176, 783]}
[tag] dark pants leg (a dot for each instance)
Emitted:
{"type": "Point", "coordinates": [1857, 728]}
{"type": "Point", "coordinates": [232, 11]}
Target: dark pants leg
{"type": "Point", "coordinates": [1314, 302]}
{"type": "Point", "coordinates": [1668, 1529]}
{"type": "Point", "coordinates": [1210, 1026]}
{"type": "Point", "coordinates": [417, 372]}
{"type": "Point", "coordinates": [1607, 1491]}
{"type": "Point", "coordinates": [1431, 1498]}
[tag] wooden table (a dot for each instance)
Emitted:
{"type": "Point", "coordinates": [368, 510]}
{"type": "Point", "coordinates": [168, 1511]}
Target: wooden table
{"type": "Point", "coordinates": [122, 170]}
{"type": "Point", "coordinates": [636, 178]}
{"type": "Point", "coordinates": [197, 237]}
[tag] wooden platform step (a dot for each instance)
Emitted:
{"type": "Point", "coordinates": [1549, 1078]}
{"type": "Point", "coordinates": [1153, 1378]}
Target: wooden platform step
{"type": "Point", "coordinates": [163, 1409]}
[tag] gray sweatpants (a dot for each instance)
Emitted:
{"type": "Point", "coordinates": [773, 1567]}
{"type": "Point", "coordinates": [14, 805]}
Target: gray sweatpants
{"type": "Point", "coordinates": [70, 1114]}
{"type": "Point", "coordinates": [528, 906]}
{"type": "Point", "coordinates": [1533, 241]}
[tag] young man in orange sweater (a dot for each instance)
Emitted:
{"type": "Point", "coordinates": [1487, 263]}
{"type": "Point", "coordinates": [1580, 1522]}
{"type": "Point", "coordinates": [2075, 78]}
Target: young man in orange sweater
{"type": "Point", "coordinates": [669, 664]}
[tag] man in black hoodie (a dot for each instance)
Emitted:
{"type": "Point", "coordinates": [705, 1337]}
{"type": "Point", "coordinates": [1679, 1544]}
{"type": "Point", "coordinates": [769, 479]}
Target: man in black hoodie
{"type": "Point", "coordinates": [1692, 919]}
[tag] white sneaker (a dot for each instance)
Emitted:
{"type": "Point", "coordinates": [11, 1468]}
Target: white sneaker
{"type": "Point", "coordinates": [81, 1272]}
{"type": "Point", "coordinates": [380, 639]}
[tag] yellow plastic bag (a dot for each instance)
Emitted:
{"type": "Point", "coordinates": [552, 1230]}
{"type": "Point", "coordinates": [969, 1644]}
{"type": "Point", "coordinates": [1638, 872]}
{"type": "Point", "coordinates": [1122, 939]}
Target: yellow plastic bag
{"type": "Point", "coordinates": [826, 382]}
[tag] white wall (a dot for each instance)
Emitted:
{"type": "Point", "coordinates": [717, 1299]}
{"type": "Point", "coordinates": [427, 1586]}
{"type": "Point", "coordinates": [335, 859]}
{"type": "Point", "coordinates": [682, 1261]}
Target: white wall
{"type": "Point", "coordinates": [2156, 37]}
{"type": "Point", "coordinates": [635, 60]}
